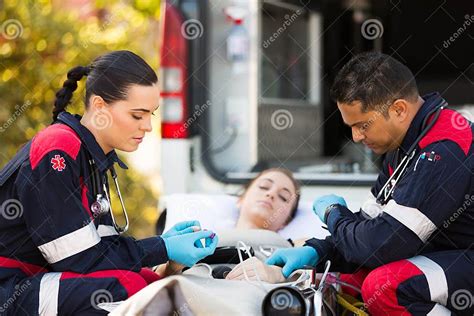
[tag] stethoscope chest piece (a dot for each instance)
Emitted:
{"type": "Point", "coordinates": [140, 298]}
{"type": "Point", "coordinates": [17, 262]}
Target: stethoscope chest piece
{"type": "Point", "coordinates": [101, 206]}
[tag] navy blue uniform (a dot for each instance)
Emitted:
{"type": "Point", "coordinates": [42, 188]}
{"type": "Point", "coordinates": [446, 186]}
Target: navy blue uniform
{"type": "Point", "coordinates": [56, 255]}
{"type": "Point", "coordinates": [420, 241]}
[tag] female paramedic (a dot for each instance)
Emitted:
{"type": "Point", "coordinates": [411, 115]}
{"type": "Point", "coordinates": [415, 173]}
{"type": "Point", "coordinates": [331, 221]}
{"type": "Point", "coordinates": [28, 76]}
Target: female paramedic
{"type": "Point", "coordinates": [61, 250]}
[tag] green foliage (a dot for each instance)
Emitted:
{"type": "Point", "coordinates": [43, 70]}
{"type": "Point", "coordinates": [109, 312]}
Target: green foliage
{"type": "Point", "coordinates": [39, 42]}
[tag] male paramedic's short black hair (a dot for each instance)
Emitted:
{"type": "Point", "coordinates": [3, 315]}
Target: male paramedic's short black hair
{"type": "Point", "coordinates": [375, 80]}
{"type": "Point", "coordinates": [109, 76]}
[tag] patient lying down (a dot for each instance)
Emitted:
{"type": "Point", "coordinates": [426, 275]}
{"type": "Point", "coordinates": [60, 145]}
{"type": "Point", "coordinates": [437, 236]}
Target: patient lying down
{"type": "Point", "coordinates": [269, 202]}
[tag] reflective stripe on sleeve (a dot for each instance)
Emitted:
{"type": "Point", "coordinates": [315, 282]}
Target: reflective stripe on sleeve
{"type": "Point", "coordinates": [106, 230]}
{"type": "Point", "coordinates": [371, 207]}
{"type": "Point", "coordinates": [70, 244]}
{"type": "Point", "coordinates": [412, 218]}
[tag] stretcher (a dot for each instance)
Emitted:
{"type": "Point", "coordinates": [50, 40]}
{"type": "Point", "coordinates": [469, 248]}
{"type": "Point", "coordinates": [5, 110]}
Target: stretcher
{"type": "Point", "coordinates": [197, 292]}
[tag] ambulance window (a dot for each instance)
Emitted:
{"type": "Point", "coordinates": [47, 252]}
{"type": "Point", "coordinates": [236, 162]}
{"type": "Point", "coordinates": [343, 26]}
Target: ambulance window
{"type": "Point", "coordinates": [284, 61]}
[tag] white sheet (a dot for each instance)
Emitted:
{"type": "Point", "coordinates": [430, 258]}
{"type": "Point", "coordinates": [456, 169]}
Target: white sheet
{"type": "Point", "coordinates": [219, 212]}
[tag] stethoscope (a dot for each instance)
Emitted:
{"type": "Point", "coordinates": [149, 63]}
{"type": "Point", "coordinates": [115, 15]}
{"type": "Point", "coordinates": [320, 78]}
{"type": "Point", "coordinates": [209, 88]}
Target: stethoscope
{"type": "Point", "coordinates": [102, 204]}
{"type": "Point", "coordinates": [386, 192]}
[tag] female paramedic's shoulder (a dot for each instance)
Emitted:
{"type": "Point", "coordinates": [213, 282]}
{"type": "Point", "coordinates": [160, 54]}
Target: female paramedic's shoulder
{"type": "Point", "coordinates": [65, 236]}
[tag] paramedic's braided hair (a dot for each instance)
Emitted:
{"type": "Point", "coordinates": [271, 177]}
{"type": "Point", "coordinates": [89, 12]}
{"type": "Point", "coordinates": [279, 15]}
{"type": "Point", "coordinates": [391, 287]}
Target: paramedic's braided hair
{"type": "Point", "coordinates": [63, 96]}
{"type": "Point", "coordinates": [109, 76]}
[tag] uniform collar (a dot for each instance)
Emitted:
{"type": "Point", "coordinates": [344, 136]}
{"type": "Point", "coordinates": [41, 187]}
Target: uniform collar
{"type": "Point", "coordinates": [103, 161]}
{"type": "Point", "coordinates": [432, 100]}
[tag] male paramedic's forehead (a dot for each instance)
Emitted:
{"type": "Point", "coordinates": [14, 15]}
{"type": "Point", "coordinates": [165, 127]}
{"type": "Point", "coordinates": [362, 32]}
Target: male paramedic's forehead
{"type": "Point", "coordinates": [352, 114]}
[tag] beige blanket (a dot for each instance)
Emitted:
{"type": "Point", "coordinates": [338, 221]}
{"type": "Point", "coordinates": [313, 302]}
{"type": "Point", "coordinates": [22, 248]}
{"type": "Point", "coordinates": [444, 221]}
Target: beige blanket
{"type": "Point", "coordinates": [196, 295]}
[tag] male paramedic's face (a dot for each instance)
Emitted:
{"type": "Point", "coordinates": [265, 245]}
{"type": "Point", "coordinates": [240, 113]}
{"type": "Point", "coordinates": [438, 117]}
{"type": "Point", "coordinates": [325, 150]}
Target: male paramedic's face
{"type": "Point", "coordinates": [268, 201]}
{"type": "Point", "coordinates": [127, 121]}
{"type": "Point", "coordinates": [372, 128]}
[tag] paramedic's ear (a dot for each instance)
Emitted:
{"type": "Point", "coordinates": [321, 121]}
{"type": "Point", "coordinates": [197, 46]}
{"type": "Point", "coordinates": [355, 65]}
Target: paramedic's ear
{"type": "Point", "coordinates": [399, 110]}
{"type": "Point", "coordinates": [96, 103]}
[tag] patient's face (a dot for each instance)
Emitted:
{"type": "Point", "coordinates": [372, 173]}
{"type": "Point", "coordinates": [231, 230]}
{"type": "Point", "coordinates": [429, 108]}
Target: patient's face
{"type": "Point", "coordinates": [268, 202]}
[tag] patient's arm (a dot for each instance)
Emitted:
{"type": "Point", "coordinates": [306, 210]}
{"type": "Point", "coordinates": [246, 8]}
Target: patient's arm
{"type": "Point", "coordinates": [169, 268]}
{"type": "Point", "coordinates": [266, 273]}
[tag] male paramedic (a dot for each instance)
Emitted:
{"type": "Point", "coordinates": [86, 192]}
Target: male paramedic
{"type": "Point", "coordinates": [416, 230]}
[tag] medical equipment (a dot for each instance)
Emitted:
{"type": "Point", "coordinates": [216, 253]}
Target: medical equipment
{"type": "Point", "coordinates": [386, 192]}
{"type": "Point", "coordinates": [287, 300]}
{"type": "Point", "coordinates": [220, 272]}
{"type": "Point", "coordinates": [228, 255]}
{"type": "Point", "coordinates": [102, 204]}
{"type": "Point", "coordinates": [291, 300]}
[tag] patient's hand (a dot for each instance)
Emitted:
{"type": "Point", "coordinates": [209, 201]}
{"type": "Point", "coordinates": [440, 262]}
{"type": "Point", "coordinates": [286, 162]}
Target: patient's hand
{"type": "Point", "coordinates": [270, 274]}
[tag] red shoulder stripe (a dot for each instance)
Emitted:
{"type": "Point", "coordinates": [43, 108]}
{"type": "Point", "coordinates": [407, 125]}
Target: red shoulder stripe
{"type": "Point", "coordinates": [55, 137]}
{"type": "Point", "coordinates": [450, 126]}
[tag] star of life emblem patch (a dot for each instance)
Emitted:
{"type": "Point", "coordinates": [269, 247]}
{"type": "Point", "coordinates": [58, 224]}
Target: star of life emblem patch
{"type": "Point", "coordinates": [58, 163]}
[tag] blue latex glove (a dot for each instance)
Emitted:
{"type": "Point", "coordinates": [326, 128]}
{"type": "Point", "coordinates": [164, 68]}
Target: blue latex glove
{"type": "Point", "coordinates": [181, 228]}
{"type": "Point", "coordinates": [187, 249]}
{"type": "Point", "coordinates": [321, 204]}
{"type": "Point", "coordinates": [292, 259]}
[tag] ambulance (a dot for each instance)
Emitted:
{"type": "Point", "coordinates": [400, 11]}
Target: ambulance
{"type": "Point", "coordinates": [245, 85]}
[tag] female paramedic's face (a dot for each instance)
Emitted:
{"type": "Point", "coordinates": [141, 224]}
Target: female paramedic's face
{"type": "Point", "coordinates": [125, 122]}
{"type": "Point", "coordinates": [268, 201]}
